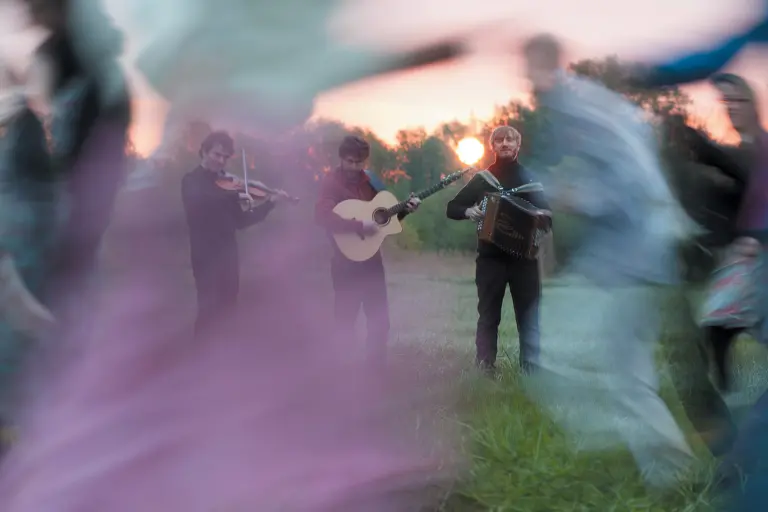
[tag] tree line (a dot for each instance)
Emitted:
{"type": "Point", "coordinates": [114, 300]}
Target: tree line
{"type": "Point", "coordinates": [418, 159]}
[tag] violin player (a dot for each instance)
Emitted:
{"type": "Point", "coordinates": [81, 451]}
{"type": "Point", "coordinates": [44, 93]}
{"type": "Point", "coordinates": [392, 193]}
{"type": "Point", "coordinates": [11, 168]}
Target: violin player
{"type": "Point", "coordinates": [214, 214]}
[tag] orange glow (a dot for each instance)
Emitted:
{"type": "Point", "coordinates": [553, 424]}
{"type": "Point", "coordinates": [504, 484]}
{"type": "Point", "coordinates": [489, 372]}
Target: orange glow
{"type": "Point", "coordinates": [470, 150]}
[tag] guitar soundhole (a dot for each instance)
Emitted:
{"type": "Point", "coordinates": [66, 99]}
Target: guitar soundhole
{"type": "Point", "coordinates": [380, 216]}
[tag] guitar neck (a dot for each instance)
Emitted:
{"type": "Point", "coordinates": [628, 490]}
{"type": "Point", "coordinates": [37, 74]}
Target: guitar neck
{"type": "Point", "coordinates": [399, 207]}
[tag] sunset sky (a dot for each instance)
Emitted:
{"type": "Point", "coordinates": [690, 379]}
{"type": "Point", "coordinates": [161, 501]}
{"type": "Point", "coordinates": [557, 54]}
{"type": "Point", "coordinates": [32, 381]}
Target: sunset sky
{"type": "Point", "coordinates": [592, 28]}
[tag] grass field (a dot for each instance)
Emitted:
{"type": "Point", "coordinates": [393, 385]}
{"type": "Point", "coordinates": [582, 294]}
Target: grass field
{"type": "Point", "coordinates": [519, 461]}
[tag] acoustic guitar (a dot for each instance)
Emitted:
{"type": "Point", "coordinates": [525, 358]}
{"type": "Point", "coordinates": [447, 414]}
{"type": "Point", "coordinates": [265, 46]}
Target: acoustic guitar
{"type": "Point", "coordinates": [383, 209]}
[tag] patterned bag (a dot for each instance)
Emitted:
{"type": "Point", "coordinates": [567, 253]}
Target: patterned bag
{"type": "Point", "coordinates": [732, 296]}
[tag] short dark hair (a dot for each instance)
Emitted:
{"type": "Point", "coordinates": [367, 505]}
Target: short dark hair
{"type": "Point", "coordinates": [546, 47]}
{"type": "Point", "coordinates": [221, 138]}
{"type": "Point", "coordinates": [355, 147]}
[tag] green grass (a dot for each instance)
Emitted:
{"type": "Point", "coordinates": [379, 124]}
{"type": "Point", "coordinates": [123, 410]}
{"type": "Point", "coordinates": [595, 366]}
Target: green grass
{"type": "Point", "coordinates": [518, 459]}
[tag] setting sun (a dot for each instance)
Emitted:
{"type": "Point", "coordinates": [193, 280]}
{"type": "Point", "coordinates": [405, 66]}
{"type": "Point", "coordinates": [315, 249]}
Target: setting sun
{"type": "Point", "coordinates": [470, 150]}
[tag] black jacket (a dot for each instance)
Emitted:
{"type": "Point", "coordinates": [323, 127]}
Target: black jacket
{"type": "Point", "coordinates": [213, 216]}
{"type": "Point", "coordinates": [510, 175]}
{"type": "Point", "coordinates": [714, 206]}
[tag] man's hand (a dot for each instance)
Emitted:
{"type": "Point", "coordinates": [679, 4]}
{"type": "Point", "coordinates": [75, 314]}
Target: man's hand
{"type": "Point", "coordinates": [246, 200]}
{"type": "Point", "coordinates": [369, 227]}
{"type": "Point", "coordinates": [412, 204]}
{"type": "Point", "coordinates": [279, 197]}
{"type": "Point", "coordinates": [475, 214]}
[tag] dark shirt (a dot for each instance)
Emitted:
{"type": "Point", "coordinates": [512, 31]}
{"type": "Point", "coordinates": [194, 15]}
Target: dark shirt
{"type": "Point", "coordinates": [510, 175]}
{"type": "Point", "coordinates": [335, 188]}
{"type": "Point", "coordinates": [213, 216]}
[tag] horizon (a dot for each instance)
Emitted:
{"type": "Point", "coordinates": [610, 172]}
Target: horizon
{"type": "Point", "coordinates": [471, 86]}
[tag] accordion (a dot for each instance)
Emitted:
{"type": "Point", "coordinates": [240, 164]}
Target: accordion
{"type": "Point", "coordinates": [513, 224]}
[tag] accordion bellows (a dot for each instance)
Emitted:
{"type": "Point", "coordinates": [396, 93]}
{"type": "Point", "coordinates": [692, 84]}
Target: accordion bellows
{"type": "Point", "coordinates": [513, 224]}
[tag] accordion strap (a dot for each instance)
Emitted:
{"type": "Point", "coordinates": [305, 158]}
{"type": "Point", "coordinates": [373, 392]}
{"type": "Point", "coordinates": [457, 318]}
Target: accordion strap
{"type": "Point", "coordinates": [490, 178]}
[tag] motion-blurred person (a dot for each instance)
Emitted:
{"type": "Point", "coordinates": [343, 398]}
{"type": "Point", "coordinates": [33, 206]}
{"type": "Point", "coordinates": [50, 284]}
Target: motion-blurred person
{"type": "Point", "coordinates": [357, 284]}
{"type": "Point", "coordinates": [213, 217]}
{"type": "Point", "coordinates": [612, 179]}
{"type": "Point", "coordinates": [747, 457]}
{"type": "Point", "coordinates": [703, 63]}
{"type": "Point", "coordinates": [496, 270]}
{"type": "Point", "coordinates": [743, 163]}
{"type": "Point", "coordinates": [149, 419]}
{"type": "Point", "coordinates": [260, 63]}
{"type": "Point", "coordinates": [80, 85]}
{"type": "Point", "coordinates": [750, 451]}
{"type": "Point", "coordinates": [28, 195]}
{"type": "Point", "coordinates": [710, 186]}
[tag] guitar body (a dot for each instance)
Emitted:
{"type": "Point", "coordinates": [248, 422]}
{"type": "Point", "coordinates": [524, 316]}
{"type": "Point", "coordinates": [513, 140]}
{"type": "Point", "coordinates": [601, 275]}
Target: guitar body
{"type": "Point", "coordinates": [352, 245]}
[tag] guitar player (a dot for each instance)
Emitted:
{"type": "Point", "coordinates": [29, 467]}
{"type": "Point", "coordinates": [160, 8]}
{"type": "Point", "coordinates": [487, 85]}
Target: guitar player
{"type": "Point", "coordinates": [356, 283]}
{"type": "Point", "coordinates": [495, 270]}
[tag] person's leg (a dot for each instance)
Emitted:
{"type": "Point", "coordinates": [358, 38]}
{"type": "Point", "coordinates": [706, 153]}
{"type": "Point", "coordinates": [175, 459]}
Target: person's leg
{"type": "Point", "coordinates": [743, 473]}
{"type": "Point", "coordinates": [491, 284]}
{"type": "Point", "coordinates": [688, 359]}
{"type": "Point", "coordinates": [347, 300]}
{"type": "Point", "coordinates": [376, 309]}
{"type": "Point", "coordinates": [631, 330]}
{"type": "Point", "coordinates": [209, 302]}
{"type": "Point", "coordinates": [721, 339]}
{"type": "Point", "coordinates": [525, 286]}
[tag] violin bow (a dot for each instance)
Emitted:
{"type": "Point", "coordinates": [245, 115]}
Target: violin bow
{"type": "Point", "coordinates": [245, 175]}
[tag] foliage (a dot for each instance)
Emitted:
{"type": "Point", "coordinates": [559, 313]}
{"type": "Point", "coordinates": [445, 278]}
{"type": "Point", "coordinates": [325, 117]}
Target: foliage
{"type": "Point", "coordinates": [417, 159]}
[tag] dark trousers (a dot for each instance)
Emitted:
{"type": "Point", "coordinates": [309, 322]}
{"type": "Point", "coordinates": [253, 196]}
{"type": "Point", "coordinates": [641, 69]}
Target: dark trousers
{"type": "Point", "coordinates": [217, 291]}
{"type": "Point", "coordinates": [689, 360]}
{"type": "Point", "coordinates": [493, 275]}
{"type": "Point", "coordinates": [720, 340]}
{"type": "Point", "coordinates": [363, 284]}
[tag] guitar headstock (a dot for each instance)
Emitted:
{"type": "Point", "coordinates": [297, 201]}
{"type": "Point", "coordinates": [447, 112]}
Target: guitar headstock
{"type": "Point", "coordinates": [453, 177]}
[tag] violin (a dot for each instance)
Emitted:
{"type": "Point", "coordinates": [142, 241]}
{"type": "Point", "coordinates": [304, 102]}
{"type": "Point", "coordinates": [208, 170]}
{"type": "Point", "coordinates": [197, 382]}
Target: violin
{"type": "Point", "coordinates": [255, 189]}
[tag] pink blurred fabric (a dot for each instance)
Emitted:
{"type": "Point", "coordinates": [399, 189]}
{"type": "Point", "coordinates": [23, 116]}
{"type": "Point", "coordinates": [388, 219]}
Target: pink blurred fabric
{"type": "Point", "coordinates": [267, 416]}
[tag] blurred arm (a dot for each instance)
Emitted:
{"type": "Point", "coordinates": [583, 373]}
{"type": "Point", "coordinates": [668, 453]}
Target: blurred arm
{"type": "Point", "coordinates": [434, 54]}
{"type": "Point", "coordinates": [702, 64]}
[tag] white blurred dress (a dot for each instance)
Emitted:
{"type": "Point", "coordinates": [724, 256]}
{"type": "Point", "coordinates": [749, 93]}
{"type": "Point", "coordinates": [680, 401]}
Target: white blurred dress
{"type": "Point", "coordinates": [599, 378]}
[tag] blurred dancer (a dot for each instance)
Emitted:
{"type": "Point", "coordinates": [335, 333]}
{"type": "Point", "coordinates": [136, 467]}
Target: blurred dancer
{"type": "Point", "coordinates": [80, 84]}
{"type": "Point", "coordinates": [710, 181]}
{"type": "Point", "coordinates": [143, 419]}
{"type": "Point", "coordinates": [625, 259]}
{"type": "Point", "coordinates": [746, 161]}
{"type": "Point", "coordinates": [213, 217]}
{"type": "Point", "coordinates": [28, 198]}
{"type": "Point", "coordinates": [749, 452]}
{"type": "Point", "coordinates": [261, 64]}
{"type": "Point", "coordinates": [702, 64]}
{"type": "Point", "coordinates": [496, 270]}
{"type": "Point", "coordinates": [357, 284]}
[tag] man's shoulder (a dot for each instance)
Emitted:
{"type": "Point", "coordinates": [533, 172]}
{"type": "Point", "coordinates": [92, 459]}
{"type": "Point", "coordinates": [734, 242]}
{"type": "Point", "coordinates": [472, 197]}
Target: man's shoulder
{"type": "Point", "coordinates": [192, 178]}
{"type": "Point", "coordinates": [329, 181]}
{"type": "Point", "coordinates": [192, 173]}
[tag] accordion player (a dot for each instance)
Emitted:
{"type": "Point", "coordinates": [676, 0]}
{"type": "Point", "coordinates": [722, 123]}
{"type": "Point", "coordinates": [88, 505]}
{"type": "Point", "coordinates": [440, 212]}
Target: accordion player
{"type": "Point", "coordinates": [512, 223]}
